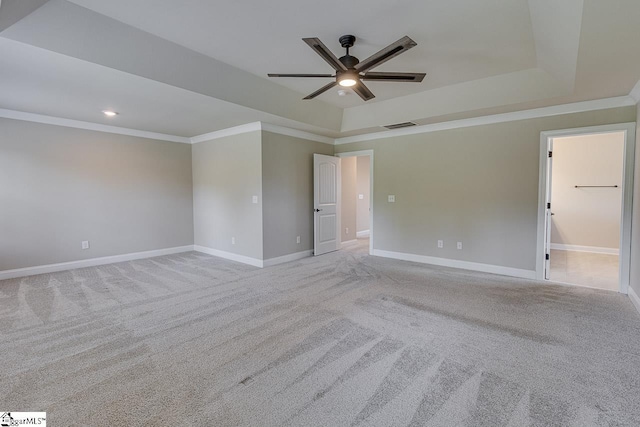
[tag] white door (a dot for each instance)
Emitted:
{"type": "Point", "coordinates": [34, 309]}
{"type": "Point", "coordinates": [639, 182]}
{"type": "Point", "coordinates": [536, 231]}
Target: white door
{"type": "Point", "coordinates": [326, 194]}
{"type": "Point", "coordinates": [548, 214]}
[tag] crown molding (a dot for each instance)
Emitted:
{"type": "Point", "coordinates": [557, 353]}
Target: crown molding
{"type": "Point", "coordinates": [267, 127]}
{"type": "Point", "coordinates": [599, 104]}
{"type": "Point", "coordinates": [555, 110]}
{"type": "Point", "coordinates": [261, 126]}
{"type": "Point", "coordinates": [77, 124]}
{"type": "Point", "coordinates": [635, 92]}
{"type": "Point", "coordinates": [236, 130]}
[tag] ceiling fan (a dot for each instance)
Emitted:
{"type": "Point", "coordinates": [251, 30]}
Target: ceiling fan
{"type": "Point", "coordinates": [350, 72]}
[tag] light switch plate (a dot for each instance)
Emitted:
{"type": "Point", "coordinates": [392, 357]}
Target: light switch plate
{"type": "Point", "coordinates": [459, 246]}
{"type": "Point", "coordinates": [361, 196]}
{"type": "Point", "coordinates": [440, 244]}
{"type": "Point", "coordinates": [392, 198]}
{"type": "Point", "coordinates": [85, 244]}
{"type": "Point", "coordinates": [255, 199]}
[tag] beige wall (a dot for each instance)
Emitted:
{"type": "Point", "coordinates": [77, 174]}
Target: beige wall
{"type": "Point", "coordinates": [227, 173]}
{"type": "Point", "coordinates": [364, 188]}
{"type": "Point", "coordinates": [587, 216]}
{"type": "Point", "coordinates": [60, 186]}
{"type": "Point", "coordinates": [348, 214]}
{"type": "Point", "coordinates": [287, 185]}
{"type": "Point", "coordinates": [635, 227]}
{"type": "Point", "coordinates": [478, 185]}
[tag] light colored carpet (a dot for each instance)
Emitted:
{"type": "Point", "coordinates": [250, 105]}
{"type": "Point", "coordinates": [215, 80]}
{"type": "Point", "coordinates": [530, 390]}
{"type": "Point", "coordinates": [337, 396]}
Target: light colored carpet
{"type": "Point", "coordinates": [344, 339]}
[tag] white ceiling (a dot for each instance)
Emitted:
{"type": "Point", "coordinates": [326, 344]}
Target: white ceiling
{"type": "Point", "coordinates": [265, 37]}
{"type": "Point", "coordinates": [197, 66]}
{"type": "Point", "coordinates": [39, 81]}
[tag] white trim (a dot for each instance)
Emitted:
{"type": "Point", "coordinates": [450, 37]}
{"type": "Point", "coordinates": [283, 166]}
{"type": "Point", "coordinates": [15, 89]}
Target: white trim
{"type": "Point", "coordinates": [627, 193]}
{"type": "Point", "coordinates": [634, 298]}
{"type": "Point", "coordinates": [349, 242]}
{"type": "Point", "coordinates": [287, 258]}
{"type": "Point", "coordinates": [261, 126]}
{"type": "Point", "coordinates": [370, 154]}
{"type": "Point", "coordinates": [267, 127]}
{"type": "Point", "coordinates": [236, 130]}
{"type": "Point", "coordinates": [453, 263]}
{"type": "Point", "coordinates": [579, 248]}
{"type": "Point", "coordinates": [230, 256]}
{"type": "Point", "coordinates": [363, 233]}
{"type": "Point", "coordinates": [635, 92]}
{"type": "Point", "coordinates": [91, 262]}
{"type": "Point", "coordinates": [77, 124]}
{"type": "Point", "coordinates": [578, 107]}
{"type": "Point", "coordinates": [598, 104]}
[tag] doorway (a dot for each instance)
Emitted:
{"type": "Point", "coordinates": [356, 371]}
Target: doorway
{"type": "Point", "coordinates": [586, 188]}
{"type": "Point", "coordinates": [357, 201]}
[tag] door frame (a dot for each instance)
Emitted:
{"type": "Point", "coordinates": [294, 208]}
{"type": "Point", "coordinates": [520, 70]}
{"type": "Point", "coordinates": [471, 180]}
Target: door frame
{"type": "Point", "coordinates": [629, 130]}
{"type": "Point", "coordinates": [370, 154]}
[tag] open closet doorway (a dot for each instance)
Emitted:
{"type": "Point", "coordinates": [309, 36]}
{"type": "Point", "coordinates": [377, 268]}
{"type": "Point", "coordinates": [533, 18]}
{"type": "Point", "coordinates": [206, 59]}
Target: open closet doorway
{"type": "Point", "coordinates": [587, 206]}
{"type": "Point", "coordinates": [357, 207]}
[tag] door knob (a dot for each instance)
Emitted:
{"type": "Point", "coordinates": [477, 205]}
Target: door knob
{"type": "Point", "coordinates": [317, 210]}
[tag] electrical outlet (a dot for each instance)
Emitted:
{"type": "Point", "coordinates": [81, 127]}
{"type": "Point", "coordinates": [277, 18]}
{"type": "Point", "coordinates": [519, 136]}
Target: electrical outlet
{"type": "Point", "coordinates": [233, 240]}
{"type": "Point", "coordinates": [85, 244]}
{"type": "Point", "coordinates": [347, 230]}
{"type": "Point", "coordinates": [440, 244]}
{"type": "Point", "coordinates": [392, 198]}
{"type": "Point", "coordinates": [298, 239]}
{"type": "Point", "coordinates": [459, 246]}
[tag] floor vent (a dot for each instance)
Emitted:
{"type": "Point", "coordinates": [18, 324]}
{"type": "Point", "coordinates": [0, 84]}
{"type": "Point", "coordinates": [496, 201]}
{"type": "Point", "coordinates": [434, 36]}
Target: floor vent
{"type": "Point", "coordinates": [400, 125]}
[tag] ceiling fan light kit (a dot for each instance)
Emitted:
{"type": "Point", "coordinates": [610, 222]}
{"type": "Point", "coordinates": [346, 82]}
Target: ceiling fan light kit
{"type": "Point", "coordinates": [350, 72]}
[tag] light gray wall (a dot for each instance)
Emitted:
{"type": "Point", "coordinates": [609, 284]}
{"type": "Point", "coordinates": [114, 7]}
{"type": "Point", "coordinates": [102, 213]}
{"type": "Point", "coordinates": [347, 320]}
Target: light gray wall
{"type": "Point", "coordinates": [587, 216]}
{"type": "Point", "coordinates": [60, 186]}
{"type": "Point", "coordinates": [348, 208]}
{"type": "Point", "coordinates": [287, 185]}
{"type": "Point", "coordinates": [635, 227]}
{"type": "Point", "coordinates": [364, 188]}
{"type": "Point", "coordinates": [227, 173]}
{"type": "Point", "coordinates": [478, 185]}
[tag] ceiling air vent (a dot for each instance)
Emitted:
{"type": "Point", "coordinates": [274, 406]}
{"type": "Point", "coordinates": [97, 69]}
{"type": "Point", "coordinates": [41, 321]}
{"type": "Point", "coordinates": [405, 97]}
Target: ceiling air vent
{"type": "Point", "coordinates": [400, 125]}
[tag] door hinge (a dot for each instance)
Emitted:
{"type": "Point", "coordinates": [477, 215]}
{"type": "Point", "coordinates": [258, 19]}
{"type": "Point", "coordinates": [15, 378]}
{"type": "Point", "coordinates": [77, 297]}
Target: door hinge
{"type": "Point", "coordinates": [550, 153]}
{"type": "Point", "coordinates": [546, 257]}
{"type": "Point", "coordinates": [548, 205]}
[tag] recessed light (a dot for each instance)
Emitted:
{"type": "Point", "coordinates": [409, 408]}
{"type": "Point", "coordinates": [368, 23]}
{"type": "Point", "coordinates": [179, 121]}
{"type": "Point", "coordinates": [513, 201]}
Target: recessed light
{"type": "Point", "coordinates": [109, 113]}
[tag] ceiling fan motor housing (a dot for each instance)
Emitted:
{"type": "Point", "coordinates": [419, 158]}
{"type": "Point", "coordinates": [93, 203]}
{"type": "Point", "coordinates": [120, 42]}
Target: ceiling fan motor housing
{"type": "Point", "coordinates": [349, 61]}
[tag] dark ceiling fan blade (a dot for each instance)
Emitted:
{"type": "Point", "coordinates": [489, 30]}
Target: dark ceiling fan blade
{"type": "Point", "coordinates": [325, 53]}
{"type": "Point", "coordinates": [386, 54]}
{"type": "Point", "coordinates": [323, 89]}
{"type": "Point", "coordinates": [363, 91]}
{"type": "Point", "coordinates": [394, 77]}
{"type": "Point", "coordinates": [300, 75]}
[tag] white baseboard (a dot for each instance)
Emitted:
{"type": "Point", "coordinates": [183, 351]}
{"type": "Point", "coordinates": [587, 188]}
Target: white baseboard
{"type": "Point", "coordinates": [91, 262]}
{"type": "Point", "coordinates": [578, 248]}
{"type": "Point", "coordinates": [634, 298]}
{"type": "Point", "coordinates": [230, 256]}
{"type": "Point", "coordinates": [349, 242]}
{"type": "Point", "coordinates": [287, 258]}
{"type": "Point", "coordinates": [363, 233]}
{"type": "Point", "coordinates": [465, 265]}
